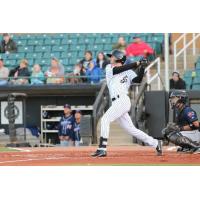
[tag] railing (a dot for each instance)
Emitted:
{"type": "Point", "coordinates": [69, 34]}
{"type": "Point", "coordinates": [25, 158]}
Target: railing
{"type": "Point", "coordinates": [184, 49]}
{"type": "Point", "coordinates": [150, 78]}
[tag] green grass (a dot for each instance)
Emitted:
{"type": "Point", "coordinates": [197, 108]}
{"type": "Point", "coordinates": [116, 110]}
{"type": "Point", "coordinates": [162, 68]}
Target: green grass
{"type": "Point", "coordinates": [6, 149]}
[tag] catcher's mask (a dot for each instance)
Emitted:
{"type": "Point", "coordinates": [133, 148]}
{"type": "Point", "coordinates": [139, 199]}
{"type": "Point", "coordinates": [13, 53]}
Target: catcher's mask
{"type": "Point", "coordinates": [119, 56]}
{"type": "Point", "coordinates": [177, 97]}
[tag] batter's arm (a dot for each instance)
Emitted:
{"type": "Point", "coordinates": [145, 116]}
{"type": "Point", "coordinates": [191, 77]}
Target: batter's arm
{"type": "Point", "coordinates": [117, 70]}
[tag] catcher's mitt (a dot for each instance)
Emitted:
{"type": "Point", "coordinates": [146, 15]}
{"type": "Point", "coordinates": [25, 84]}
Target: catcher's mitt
{"type": "Point", "coordinates": [171, 127]}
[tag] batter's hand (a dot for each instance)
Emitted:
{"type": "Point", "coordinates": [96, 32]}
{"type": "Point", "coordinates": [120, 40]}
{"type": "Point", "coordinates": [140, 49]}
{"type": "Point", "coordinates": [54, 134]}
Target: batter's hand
{"type": "Point", "coordinates": [144, 62]}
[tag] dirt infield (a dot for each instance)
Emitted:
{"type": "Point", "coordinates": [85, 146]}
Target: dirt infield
{"type": "Point", "coordinates": [81, 156]}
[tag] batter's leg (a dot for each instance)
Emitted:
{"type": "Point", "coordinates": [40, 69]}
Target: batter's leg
{"type": "Point", "coordinates": [126, 123]}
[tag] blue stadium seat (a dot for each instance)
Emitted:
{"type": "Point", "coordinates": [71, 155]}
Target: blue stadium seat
{"type": "Point", "coordinates": [86, 41]}
{"type": "Point", "coordinates": [52, 41]}
{"type": "Point", "coordinates": [69, 54]}
{"type": "Point", "coordinates": [64, 41]}
{"type": "Point", "coordinates": [35, 42]}
{"type": "Point", "coordinates": [43, 36]}
{"type": "Point", "coordinates": [59, 48]}
{"type": "Point", "coordinates": [42, 48]}
{"type": "Point", "coordinates": [196, 87]}
{"type": "Point", "coordinates": [16, 56]}
{"type": "Point", "coordinates": [187, 73]}
{"type": "Point", "coordinates": [21, 42]}
{"type": "Point", "coordinates": [10, 63]}
{"type": "Point", "coordinates": [30, 36]}
{"type": "Point", "coordinates": [65, 62]}
{"type": "Point", "coordinates": [3, 55]}
{"type": "Point", "coordinates": [59, 35]}
{"type": "Point", "coordinates": [25, 49]}
{"type": "Point", "coordinates": [46, 62]}
{"type": "Point", "coordinates": [34, 55]}
{"type": "Point", "coordinates": [51, 55]}
{"type": "Point", "coordinates": [103, 40]}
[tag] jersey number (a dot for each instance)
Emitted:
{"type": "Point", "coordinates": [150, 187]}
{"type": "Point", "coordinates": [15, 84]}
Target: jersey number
{"type": "Point", "coordinates": [125, 79]}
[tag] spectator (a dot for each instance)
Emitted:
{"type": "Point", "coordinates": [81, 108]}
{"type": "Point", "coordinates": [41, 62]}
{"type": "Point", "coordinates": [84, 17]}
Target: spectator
{"type": "Point", "coordinates": [87, 59]}
{"type": "Point", "coordinates": [176, 82]}
{"type": "Point", "coordinates": [66, 126]}
{"type": "Point", "coordinates": [77, 137]}
{"type": "Point", "coordinates": [37, 76]}
{"type": "Point", "coordinates": [93, 73]}
{"type": "Point", "coordinates": [4, 72]}
{"type": "Point", "coordinates": [55, 74]}
{"type": "Point", "coordinates": [101, 60]}
{"type": "Point", "coordinates": [20, 74]}
{"type": "Point", "coordinates": [7, 44]}
{"type": "Point", "coordinates": [74, 77]}
{"type": "Point", "coordinates": [138, 48]}
{"type": "Point", "coordinates": [120, 45]}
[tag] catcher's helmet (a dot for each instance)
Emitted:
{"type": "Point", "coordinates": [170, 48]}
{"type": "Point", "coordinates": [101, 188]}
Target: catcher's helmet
{"type": "Point", "coordinates": [178, 96]}
{"type": "Point", "coordinates": [119, 55]}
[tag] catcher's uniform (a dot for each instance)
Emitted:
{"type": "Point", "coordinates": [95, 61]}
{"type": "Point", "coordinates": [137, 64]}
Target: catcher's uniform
{"type": "Point", "coordinates": [118, 85]}
{"type": "Point", "coordinates": [186, 117]}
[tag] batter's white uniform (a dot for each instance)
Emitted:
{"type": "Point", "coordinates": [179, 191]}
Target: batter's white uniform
{"type": "Point", "coordinates": [118, 86]}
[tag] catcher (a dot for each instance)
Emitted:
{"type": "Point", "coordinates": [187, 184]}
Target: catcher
{"type": "Point", "coordinates": [185, 133]}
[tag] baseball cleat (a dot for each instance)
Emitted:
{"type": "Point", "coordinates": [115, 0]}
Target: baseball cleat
{"type": "Point", "coordinates": [99, 153]}
{"type": "Point", "coordinates": [185, 150]}
{"type": "Point", "coordinates": [196, 151]}
{"type": "Point", "coordinates": [159, 148]}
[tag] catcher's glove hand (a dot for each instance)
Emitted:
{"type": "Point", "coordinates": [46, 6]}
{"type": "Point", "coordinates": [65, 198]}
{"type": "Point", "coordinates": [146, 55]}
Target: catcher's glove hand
{"type": "Point", "coordinates": [144, 62]}
{"type": "Point", "coordinates": [171, 127]}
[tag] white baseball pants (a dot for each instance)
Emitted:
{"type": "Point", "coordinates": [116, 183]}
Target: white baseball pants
{"type": "Point", "coordinates": [119, 112]}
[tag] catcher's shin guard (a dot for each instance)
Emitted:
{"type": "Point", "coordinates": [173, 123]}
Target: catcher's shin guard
{"type": "Point", "coordinates": [103, 143]}
{"type": "Point", "coordinates": [182, 141]}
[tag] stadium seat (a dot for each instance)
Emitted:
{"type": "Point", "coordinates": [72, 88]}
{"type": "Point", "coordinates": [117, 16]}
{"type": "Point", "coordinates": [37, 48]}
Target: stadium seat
{"type": "Point", "coordinates": [93, 35]}
{"type": "Point", "coordinates": [42, 48]}
{"type": "Point", "coordinates": [3, 55]}
{"type": "Point", "coordinates": [72, 41]}
{"type": "Point", "coordinates": [96, 47]}
{"type": "Point", "coordinates": [25, 49]}
{"type": "Point", "coordinates": [59, 35]}
{"type": "Point", "coordinates": [16, 56]}
{"type": "Point", "coordinates": [51, 55]}
{"type": "Point", "coordinates": [69, 54]}
{"type": "Point", "coordinates": [64, 41]}
{"type": "Point", "coordinates": [107, 47]}
{"type": "Point", "coordinates": [10, 63]}
{"type": "Point", "coordinates": [43, 36]}
{"type": "Point", "coordinates": [187, 73]}
{"type": "Point", "coordinates": [103, 40]}
{"type": "Point", "coordinates": [196, 87]}
{"type": "Point", "coordinates": [196, 80]}
{"type": "Point", "coordinates": [73, 61]}
{"type": "Point", "coordinates": [65, 62]}
{"type": "Point", "coordinates": [197, 66]}
{"type": "Point", "coordinates": [46, 62]}
{"type": "Point", "coordinates": [34, 55]}
{"type": "Point", "coordinates": [59, 48]}
{"type": "Point", "coordinates": [86, 40]}
{"type": "Point", "coordinates": [52, 41]}
{"type": "Point", "coordinates": [35, 42]}
{"type": "Point", "coordinates": [25, 36]}
{"type": "Point", "coordinates": [21, 42]}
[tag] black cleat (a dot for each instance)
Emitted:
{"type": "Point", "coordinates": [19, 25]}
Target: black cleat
{"type": "Point", "coordinates": [159, 148]}
{"type": "Point", "coordinates": [185, 150]}
{"type": "Point", "coordinates": [99, 153]}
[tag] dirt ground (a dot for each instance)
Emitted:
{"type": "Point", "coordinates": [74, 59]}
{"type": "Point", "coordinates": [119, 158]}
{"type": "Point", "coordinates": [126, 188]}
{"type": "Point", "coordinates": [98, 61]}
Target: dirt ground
{"type": "Point", "coordinates": [119, 155]}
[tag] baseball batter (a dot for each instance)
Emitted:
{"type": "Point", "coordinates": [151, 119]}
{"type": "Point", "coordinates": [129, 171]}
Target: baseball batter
{"type": "Point", "coordinates": [119, 78]}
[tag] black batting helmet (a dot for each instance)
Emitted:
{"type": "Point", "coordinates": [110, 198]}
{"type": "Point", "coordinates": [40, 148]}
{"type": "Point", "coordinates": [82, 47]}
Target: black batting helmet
{"type": "Point", "coordinates": [119, 55]}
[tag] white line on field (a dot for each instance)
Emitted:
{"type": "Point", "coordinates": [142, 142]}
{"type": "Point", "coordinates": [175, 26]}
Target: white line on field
{"type": "Point", "coordinates": [171, 148]}
{"type": "Point", "coordinates": [19, 149]}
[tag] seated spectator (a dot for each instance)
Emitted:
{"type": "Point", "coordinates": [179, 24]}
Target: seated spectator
{"type": "Point", "coordinates": [20, 74]}
{"type": "Point", "coordinates": [7, 44]}
{"type": "Point", "coordinates": [4, 72]}
{"type": "Point", "coordinates": [138, 48]}
{"type": "Point", "coordinates": [37, 76]}
{"type": "Point", "coordinates": [176, 82]}
{"type": "Point", "coordinates": [101, 60]}
{"type": "Point", "coordinates": [55, 74]}
{"type": "Point", "coordinates": [66, 126]}
{"type": "Point", "coordinates": [120, 45]}
{"type": "Point", "coordinates": [74, 77]}
{"type": "Point", "coordinates": [77, 137]}
{"type": "Point", "coordinates": [87, 59]}
{"type": "Point", "coordinates": [93, 73]}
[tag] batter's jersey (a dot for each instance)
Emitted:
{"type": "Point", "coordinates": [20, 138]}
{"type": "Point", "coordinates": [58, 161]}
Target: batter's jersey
{"type": "Point", "coordinates": [118, 84]}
